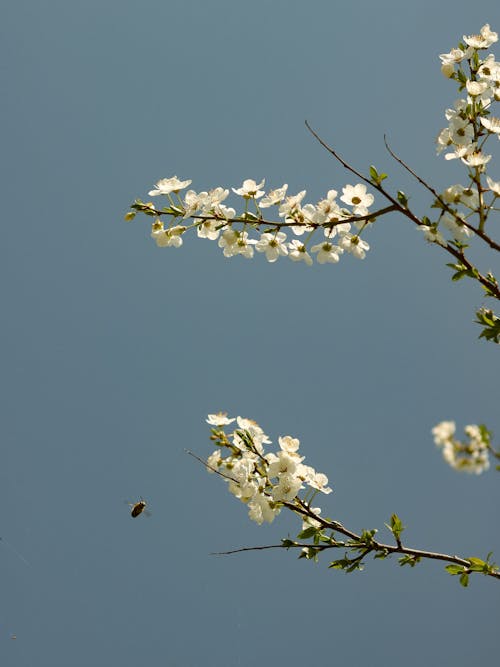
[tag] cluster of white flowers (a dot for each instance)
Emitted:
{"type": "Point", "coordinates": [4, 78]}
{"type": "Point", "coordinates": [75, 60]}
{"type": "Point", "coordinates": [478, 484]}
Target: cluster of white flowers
{"type": "Point", "coordinates": [214, 220]}
{"type": "Point", "coordinates": [470, 124]}
{"type": "Point", "coordinates": [471, 456]}
{"type": "Point", "coordinates": [262, 481]}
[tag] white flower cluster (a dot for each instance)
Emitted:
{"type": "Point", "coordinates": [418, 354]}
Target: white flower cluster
{"type": "Point", "coordinates": [214, 220]}
{"type": "Point", "coordinates": [470, 124]}
{"type": "Point", "coordinates": [469, 457]}
{"type": "Point", "coordinates": [262, 481]}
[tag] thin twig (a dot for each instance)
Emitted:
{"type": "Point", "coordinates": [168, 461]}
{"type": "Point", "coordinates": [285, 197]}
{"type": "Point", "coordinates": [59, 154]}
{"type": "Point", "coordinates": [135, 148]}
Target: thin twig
{"type": "Point", "coordinates": [207, 465]}
{"type": "Point", "coordinates": [377, 547]}
{"type": "Point", "coordinates": [491, 286]}
{"type": "Point", "coordinates": [445, 206]}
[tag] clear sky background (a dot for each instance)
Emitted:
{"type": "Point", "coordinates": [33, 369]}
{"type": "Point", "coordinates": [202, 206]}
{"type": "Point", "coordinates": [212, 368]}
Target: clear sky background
{"type": "Point", "coordinates": [114, 351]}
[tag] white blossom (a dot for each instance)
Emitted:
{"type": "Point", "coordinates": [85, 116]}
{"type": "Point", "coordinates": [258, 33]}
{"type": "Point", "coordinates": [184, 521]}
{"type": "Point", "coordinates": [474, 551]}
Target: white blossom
{"type": "Point", "coordinates": [475, 159]}
{"type": "Point", "coordinates": [298, 253]}
{"type": "Point", "coordinates": [214, 461]}
{"type": "Point", "coordinates": [250, 189]}
{"type": "Point", "coordinates": [219, 419]}
{"type": "Point", "coordinates": [273, 245]}
{"type": "Point", "coordinates": [327, 252]}
{"type": "Point", "coordinates": [287, 488]}
{"type": "Point", "coordinates": [261, 509]}
{"type": "Point", "coordinates": [209, 229]}
{"type": "Point", "coordinates": [289, 444]}
{"type": "Point", "coordinates": [461, 132]}
{"type": "Point", "coordinates": [228, 242]}
{"type": "Point", "coordinates": [283, 463]}
{"type": "Point", "coordinates": [456, 194]}
{"type": "Point", "coordinates": [457, 228]}
{"type": "Point", "coordinates": [482, 41]}
{"type": "Point", "coordinates": [355, 245]}
{"type": "Point", "coordinates": [494, 186]}
{"type": "Point", "coordinates": [432, 234]}
{"type": "Point", "coordinates": [357, 197]}
{"type": "Point", "coordinates": [476, 88]}
{"type": "Point", "coordinates": [167, 237]}
{"type": "Point", "coordinates": [492, 124]}
{"type": "Point", "coordinates": [168, 185]}
{"type": "Point", "coordinates": [290, 204]}
{"type": "Point", "coordinates": [274, 197]}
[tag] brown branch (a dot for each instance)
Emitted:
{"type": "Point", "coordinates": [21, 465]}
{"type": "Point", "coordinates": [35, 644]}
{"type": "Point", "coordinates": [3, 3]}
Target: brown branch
{"type": "Point", "coordinates": [445, 206]}
{"type": "Point", "coordinates": [488, 284]}
{"type": "Point", "coordinates": [376, 546]}
{"type": "Point", "coordinates": [276, 223]}
{"type": "Point", "coordinates": [236, 551]}
{"type": "Point", "coordinates": [357, 173]}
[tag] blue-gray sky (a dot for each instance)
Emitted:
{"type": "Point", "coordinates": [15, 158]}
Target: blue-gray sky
{"type": "Point", "coordinates": [115, 350]}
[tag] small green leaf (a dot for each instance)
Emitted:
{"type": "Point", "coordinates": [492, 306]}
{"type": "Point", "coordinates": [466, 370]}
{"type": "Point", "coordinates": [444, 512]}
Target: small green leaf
{"type": "Point", "coordinates": [402, 198]}
{"type": "Point", "coordinates": [459, 275]}
{"type": "Point", "coordinates": [396, 524]}
{"type": "Point", "coordinates": [307, 533]}
{"type": "Point", "coordinates": [130, 215]}
{"type": "Point", "coordinates": [491, 324]}
{"type": "Point", "coordinates": [337, 564]}
{"type": "Point", "coordinates": [454, 569]}
{"type": "Point", "coordinates": [477, 565]}
{"type": "Point", "coordinates": [409, 560]}
{"type": "Point", "coordinates": [310, 553]}
{"type": "Point", "coordinates": [464, 580]}
{"type": "Point", "coordinates": [375, 176]}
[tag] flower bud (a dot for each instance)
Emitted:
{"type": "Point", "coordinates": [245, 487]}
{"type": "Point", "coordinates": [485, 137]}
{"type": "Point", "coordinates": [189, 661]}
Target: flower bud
{"type": "Point", "coordinates": [448, 69]}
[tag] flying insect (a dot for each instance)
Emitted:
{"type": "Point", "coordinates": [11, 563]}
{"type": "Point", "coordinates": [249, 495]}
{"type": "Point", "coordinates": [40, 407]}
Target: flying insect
{"type": "Point", "coordinates": [138, 508]}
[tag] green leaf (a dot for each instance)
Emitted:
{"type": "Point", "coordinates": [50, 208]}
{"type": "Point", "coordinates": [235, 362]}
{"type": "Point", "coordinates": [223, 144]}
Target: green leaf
{"type": "Point", "coordinates": [307, 533]}
{"type": "Point", "coordinates": [287, 543]}
{"type": "Point", "coordinates": [310, 553]}
{"type": "Point", "coordinates": [491, 324]}
{"type": "Point", "coordinates": [375, 176]}
{"type": "Point", "coordinates": [402, 198]}
{"type": "Point", "coordinates": [396, 524]}
{"type": "Point", "coordinates": [409, 560]}
{"type": "Point", "coordinates": [337, 564]}
{"type": "Point", "coordinates": [477, 565]}
{"type": "Point", "coordinates": [130, 215]}
{"type": "Point", "coordinates": [367, 537]}
{"type": "Point", "coordinates": [454, 569]}
{"type": "Point", "coordinates": [464, 580]}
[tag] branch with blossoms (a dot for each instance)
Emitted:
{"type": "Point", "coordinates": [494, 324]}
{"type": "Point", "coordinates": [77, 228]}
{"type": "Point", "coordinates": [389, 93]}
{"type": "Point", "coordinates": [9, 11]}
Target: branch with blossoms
{"type": "Point", "coordinates": [270, 482]}
{"type": "Point", "coordinates": [470, 456]}
{"type": "Point", "coordinates": [331, 227]}
{"type": "Point", "coordinates": [337, 224]}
